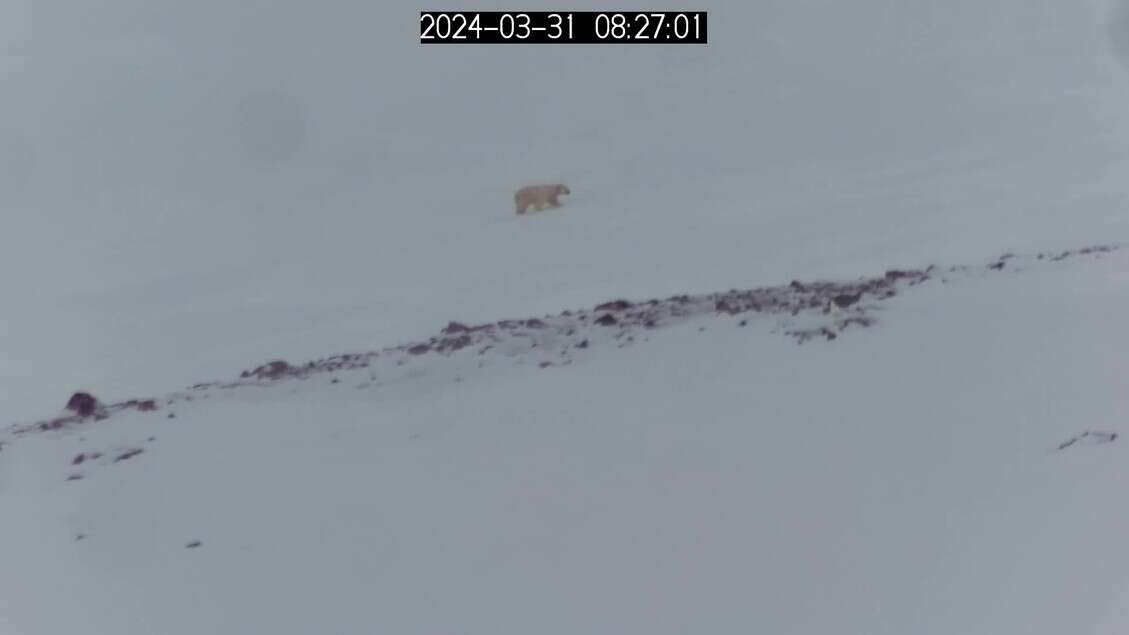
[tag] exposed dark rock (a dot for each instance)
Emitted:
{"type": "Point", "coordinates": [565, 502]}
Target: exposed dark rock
{"type": "Point", "coordinates": [895, 274]}
{"type": "Point", "coordinates": [857, 320]}
{"type": "Point", "coordinates": [519, 337]}
{"type": "Point", "coordinates": [82, 457]}
{"type": "Point", "coordinates": [614, 305]}
{"type": "Point", "coordinates": [271, 370]}
{"type": "Point", "coordinates": [607, 319]}
{"type": "Point", "coordinates": [844, 300]}
{"type": "Point", "coordinates": [128, 454]}
{"type": "Point", "coordinates": [722, 306]}
{"type": "Point", "coordinates": [1093, 437]}
{"type": "Point", "coordinates": [450, 344]}
{"type": "Point", "coordinates": [455, 327]}
{"type": "Point", "coordinates": [83, 404]}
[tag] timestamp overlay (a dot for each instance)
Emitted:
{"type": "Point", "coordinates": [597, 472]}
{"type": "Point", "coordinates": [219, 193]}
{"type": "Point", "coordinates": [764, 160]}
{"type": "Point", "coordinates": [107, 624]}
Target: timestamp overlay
{"type": "Point", "coordinates": [562, 27]}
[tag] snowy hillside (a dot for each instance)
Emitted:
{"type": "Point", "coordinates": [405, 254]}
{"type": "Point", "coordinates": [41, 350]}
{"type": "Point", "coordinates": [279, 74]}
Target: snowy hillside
{"type": "Point", "coordinates": [879, 388]}
{"type": "Point", "coordinates": [190, 186]}
{"type": "Point", "coordinates": [954, 468]}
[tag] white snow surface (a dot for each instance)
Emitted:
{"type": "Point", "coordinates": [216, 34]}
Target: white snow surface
{"type": "Point", "coordinates": [193, 186]}
{"type": "Point", "coordinates": [189, 189]}
{"type": "Point", "coordinates": [709, 478]}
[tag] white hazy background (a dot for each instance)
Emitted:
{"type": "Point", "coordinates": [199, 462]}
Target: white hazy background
{"type": "Point", "coordinates": [188, 189]}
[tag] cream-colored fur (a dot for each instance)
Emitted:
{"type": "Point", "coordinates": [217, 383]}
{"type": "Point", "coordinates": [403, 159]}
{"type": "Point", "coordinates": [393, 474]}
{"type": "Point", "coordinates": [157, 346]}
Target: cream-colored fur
{"type": "Point", "coordinates": [539, 196]}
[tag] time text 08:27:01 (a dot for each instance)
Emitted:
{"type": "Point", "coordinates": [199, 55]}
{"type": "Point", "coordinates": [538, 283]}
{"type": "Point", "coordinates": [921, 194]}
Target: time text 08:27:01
{"type": "Point", "coordinates": [574, 27]}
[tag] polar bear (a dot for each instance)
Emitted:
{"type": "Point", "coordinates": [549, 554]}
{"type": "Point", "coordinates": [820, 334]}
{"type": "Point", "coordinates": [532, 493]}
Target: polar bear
{"type": "Point", "coordinates": [539, 196]}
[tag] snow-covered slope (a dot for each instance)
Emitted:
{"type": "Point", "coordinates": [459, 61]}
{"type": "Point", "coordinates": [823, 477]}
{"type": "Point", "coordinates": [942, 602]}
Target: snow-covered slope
{"type": "Point", "coordinates": [191, 186]}
{"type": "Point", "coordinates": [912, 477]}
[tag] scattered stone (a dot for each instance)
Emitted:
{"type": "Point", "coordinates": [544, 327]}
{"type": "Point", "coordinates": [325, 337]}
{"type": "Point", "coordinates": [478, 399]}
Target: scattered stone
{"type": "Point", "coordinates": [856, 320]}
{"type": "Point", "coordinates": [451, 344]}
{"type": "Point", "coordinates": [83, 457]}
{"type": "Point", "coordinates": [83, 404]}
{"type": "Point", "coordinates": [1090, 437]}
{"type": "Point", "coordinates": [128, 454]}
{"type": "Point", "coordinates": [74, 477]}
{"type": "Point", "coordinates": [809, 334]}
{"type": "Point", "coordinates": [722, 306]}
{"type": "Point", "coordinates": [607, 319]}
{"type": "Point", "coordinates": [614, 305]}
{"type": "Point", "coordinates": [271, 370]}
{"type": "Point", "coordinates": [455, 327]}
{"type": "Point", "coordinates": [193, 545]}
{"type": "Point", "coordinates": [515, 338]}
{"type": "Point", "coordinates": [844, 300]}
